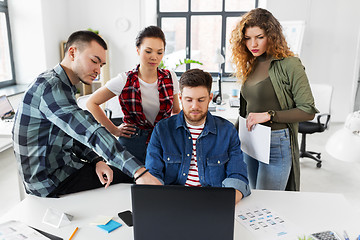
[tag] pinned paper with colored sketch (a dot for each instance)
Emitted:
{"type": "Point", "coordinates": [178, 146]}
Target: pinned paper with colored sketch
{"type": "Point", "coordinates": [255, 143]}
{"type": "Point", "coordinates": [110, 226]}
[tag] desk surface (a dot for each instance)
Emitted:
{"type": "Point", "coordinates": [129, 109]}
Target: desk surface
{"type": "Point", "coordinates": [312, 211]}
{"type": "Point", "coordinates": [5, 142]}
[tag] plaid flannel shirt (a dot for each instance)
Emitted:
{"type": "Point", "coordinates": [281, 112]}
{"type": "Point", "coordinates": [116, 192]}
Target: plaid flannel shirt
{"type": "Point", "coordinates": [52, 136]}
{"type": "Point", "coordinates": [130, 99]}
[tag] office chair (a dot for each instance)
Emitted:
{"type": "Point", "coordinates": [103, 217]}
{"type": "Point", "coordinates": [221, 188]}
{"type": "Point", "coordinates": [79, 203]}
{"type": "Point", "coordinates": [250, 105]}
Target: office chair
{"type": "Point", "coordinates": [113, 111]}
{"type": "Point", "coordinates": [322, 94]}
{"type": "Point", "coordinates": [112, 108]}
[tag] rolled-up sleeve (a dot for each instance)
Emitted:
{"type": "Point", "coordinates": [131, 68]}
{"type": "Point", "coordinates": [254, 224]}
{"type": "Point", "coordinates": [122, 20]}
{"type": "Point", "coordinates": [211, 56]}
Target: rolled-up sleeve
{"type": "Point", "coordinates": [236, 171]}
{"type": "Point", "coordinates": [154, 161]}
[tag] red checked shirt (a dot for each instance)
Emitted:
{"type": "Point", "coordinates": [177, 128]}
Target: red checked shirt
{"type": "Point", "coordinates": [130, 99]}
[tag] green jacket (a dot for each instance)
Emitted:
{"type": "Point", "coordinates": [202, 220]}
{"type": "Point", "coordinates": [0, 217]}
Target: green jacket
{"type": "Point", "coordinates": [292, 89]}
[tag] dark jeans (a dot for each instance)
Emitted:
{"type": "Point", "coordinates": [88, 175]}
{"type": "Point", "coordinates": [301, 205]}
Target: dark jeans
{"type": "Point", "coordinates": [86, 179]}
{"type": "Point", "coordinates": [136, 144]}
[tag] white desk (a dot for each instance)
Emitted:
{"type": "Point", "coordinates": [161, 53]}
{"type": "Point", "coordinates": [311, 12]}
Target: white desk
{"type": "Point", "coordinates": [225, 111]}
{"type": "Point", "coordinates": [5, 139]}
{"type": "Point", "coordinates": [5, 142]}
{"type": "Point", "coordinates": [312, 211]}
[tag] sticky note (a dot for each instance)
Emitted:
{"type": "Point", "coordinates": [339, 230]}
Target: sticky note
{"type": "Point", "coordinates": [101, 220]}
{"type": "Point", "coordinates": [110, 226]}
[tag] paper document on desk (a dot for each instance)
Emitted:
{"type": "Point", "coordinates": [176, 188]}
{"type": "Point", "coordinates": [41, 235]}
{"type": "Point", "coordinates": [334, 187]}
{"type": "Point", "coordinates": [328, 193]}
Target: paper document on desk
{"type": "Point", "coordinates": [266, 224]}
{"type": "Point", "coordinates": [255, 143]}
{"type": "Point", "coordinates": [18, 230]}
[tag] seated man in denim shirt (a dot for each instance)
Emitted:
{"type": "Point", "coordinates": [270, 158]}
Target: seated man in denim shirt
{"type": "Point", "coordinates": [195, 148]}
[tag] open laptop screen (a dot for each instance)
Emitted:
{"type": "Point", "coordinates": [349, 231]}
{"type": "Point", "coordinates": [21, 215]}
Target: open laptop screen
{"type": "Point", "coordinates": [6, 110]}
{"type": "Point", "coordinates": [178, 212]}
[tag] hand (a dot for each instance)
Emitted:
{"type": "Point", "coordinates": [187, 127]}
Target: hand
{"type": "Point", "coordinates": [255, 118]}
{"type": "Point", "coordinates": [238, 196]}
{"type": "Point", "coordinates": [125, 130]}
{"type": "Point", "coordinates": [104, 172]}
{"type": "Point", "coordinates": [147, 178]}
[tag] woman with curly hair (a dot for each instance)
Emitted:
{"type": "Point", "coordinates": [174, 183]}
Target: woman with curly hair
{"type": "Point", "coordinates": [275, 92]}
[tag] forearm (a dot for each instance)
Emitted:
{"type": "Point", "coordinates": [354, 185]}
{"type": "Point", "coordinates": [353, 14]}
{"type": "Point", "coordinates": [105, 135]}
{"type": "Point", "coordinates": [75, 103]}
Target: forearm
{"type": "Point", "coordinates": [111, 150]}
{"type": "Point", "coordinates": [176, 106]}
{"type": "Point", "coordinates": [292, 116]}
{"type": "Point", "coordinates": [84, 152]}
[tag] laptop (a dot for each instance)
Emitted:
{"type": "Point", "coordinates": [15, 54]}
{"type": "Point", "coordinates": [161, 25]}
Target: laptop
{"type": "Point", "coordinates": [7, 114]}
{"type": "Point", "coordinates": [179, 212]}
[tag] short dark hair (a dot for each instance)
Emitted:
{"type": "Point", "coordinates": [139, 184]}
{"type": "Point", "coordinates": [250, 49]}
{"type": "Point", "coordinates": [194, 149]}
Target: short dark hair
{"type": "Point", "coordinates": [81, 37]}
{"type": "Point", "coordinates": [195, 78]}
{"type": "Point", "coordinates": [150, 32]}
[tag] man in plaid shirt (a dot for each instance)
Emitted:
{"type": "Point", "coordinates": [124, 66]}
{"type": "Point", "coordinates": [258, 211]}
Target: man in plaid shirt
{"type": "Point", "coordinates": [54, 139]}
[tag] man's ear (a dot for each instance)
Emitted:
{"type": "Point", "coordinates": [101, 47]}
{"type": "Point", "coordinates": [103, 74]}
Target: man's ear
{"type": "Point", "coordinates": [180, 96]}
{"type": "Point", "coordinates": [211, 96]}
{"type": "Point", "coordinates": [71, 52]}
{"type": "Point", "coordinates": [138, 51]}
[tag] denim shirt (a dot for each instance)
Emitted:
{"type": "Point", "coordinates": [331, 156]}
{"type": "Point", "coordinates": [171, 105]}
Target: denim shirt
{"type": "Point", "coordinates": [219, 157]}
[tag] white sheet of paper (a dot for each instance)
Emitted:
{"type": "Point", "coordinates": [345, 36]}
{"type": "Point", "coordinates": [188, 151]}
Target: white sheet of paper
{"type": "Point", "coordinates": [255, 143]}
{"type": "Point", "coordinates": [267, 224]}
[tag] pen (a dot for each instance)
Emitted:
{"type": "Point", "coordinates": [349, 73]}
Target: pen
{"type": "Point", "coordinates": [346, 236]}
{"type": "Point", "coordinates": [72, 235]}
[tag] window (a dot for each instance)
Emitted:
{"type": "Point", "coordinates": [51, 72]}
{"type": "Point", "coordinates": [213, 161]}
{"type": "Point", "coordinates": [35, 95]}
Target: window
{"type": "Point", "coordinates": [199, 29]}
{"type": "Point", "coordinates": [7, 74]}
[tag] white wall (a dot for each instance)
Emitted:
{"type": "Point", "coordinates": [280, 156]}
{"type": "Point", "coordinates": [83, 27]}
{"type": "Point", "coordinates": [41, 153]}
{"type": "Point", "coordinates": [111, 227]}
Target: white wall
{"type": "Point", "coordinates": [329, 49]}
{"type": "Point", "coordinates": [38, 27]}
{"type": "Point", "coordinates": [106, 16]}
{"type": "Point", "coordinates": [55, 24]}
{"type": "Point", "coordinates": [28, 39]}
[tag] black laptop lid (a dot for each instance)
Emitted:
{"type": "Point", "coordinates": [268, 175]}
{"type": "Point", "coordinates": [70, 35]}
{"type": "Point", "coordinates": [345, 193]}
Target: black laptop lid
{"type": "Point", "coordinates": [178, 212]}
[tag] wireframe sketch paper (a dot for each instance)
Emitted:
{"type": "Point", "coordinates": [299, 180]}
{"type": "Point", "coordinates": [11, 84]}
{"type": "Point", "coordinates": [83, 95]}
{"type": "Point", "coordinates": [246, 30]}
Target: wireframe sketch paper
{"type": "Point", "coordinates": [18, 230]}
{"type": "Point", "coordinates": [266, 224]}
{"type": "Point", "coordinates": [255, 143]}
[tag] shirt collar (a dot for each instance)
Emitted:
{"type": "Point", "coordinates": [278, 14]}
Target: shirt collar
{"type": "Point", "coordinates": [209, 123]}
{"type": "Point", "coordinates": [64, 77]}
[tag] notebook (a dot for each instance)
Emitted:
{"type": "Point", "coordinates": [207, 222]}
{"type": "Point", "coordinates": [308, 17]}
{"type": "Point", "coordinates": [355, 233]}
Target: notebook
{"type": "Point", "coordinates": [6, 116]}
{"type": "Point", "coordinates": [179, 212]}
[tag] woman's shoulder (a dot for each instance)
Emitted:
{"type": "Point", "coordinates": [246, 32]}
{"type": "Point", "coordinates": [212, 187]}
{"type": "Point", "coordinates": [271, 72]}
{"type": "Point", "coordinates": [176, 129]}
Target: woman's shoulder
{"type": "Point", "coordinates": [289, 64]}
{"type": "Point", "coordinates": [289, 61]}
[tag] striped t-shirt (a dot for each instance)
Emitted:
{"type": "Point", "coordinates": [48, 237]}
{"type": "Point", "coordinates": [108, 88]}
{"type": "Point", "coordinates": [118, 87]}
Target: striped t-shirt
{"type": "Point", "coordinates": [193, 176]}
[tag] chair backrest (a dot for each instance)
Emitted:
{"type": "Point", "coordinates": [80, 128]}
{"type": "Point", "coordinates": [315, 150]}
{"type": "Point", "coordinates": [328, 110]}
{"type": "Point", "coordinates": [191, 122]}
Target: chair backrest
{"type": "Point", "coordinates": [114, 106]}
{"type": "Point", "coordinates": [322, 94]}
{"type": "Point", "coordinates": [81, 101]}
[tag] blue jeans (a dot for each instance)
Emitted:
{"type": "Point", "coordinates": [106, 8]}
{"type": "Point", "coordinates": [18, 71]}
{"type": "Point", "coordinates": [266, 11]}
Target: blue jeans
{"type": "Point", "coordinates": [136, 144]}
{"type": "Point", "coordinates": [272, 176]}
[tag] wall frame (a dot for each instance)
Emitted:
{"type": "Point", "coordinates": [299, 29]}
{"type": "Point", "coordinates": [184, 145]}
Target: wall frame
{"type": "Point", "coordinates": [62, 49]}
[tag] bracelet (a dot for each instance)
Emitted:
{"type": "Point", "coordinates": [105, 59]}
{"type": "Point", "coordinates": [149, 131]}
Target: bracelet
{"type": "Point", "coordinates": [146, 170]}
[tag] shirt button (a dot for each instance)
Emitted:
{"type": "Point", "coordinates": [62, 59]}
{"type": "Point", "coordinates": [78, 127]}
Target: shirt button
{"type": "Point", "coordinates": [189, 137]}
{"type": "Point", "coordinates": [218, 162]}
{"type": "Point", "coordinates": [188, 155]}
{"type": "Point", "coordinates": [168, 159]}
{"type": "Point", "coordinates": [184, 174]}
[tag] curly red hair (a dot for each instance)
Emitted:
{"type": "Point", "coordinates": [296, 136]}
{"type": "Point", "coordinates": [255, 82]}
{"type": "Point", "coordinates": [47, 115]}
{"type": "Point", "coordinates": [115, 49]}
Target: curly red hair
{"type": "Point", "coordinates": [277, 46]}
